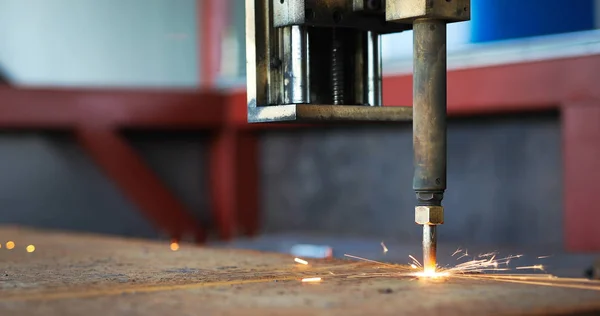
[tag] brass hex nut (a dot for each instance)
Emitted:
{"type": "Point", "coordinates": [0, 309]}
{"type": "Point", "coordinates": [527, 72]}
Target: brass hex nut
{"type": "Point", "coordinates": [406, 11]}
{"type": "Point", "coordinates": [429, 215]}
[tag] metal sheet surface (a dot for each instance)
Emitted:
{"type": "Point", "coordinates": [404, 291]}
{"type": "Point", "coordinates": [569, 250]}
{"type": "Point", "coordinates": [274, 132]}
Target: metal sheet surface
{"type": "Point", "coordinates": [71, 274]}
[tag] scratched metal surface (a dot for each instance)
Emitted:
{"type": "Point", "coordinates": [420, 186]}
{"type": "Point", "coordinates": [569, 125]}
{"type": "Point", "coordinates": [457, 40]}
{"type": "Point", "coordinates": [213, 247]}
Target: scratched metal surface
{"type": "Point", "coordinates": [91, 275]}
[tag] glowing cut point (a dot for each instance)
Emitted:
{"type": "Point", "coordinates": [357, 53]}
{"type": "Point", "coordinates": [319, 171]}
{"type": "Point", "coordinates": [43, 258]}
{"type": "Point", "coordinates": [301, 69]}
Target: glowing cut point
{"type": "Point", "coordinates": [10, 245]}
{"type": "Point", "coordinates": [429, 272]}
{"type": "Point", "coordinates": [414, 266]}
{"type": "Point", "coordinates": [174, 246]}
{"type": "Point", "coordinates": [298, 260]}
{"type": "Point", "coordinates": [431, 275]}
{"type": "Point", "coordinates": [308, 280]}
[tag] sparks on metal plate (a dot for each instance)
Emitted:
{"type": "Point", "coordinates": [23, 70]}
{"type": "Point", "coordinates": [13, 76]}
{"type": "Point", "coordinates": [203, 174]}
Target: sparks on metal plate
{"type": "Point", "coordinates": [301, 261]}
{"type": "Point", "coordinates": [481, 267]}
{"type": "Point", "coordinates": [482, 263]}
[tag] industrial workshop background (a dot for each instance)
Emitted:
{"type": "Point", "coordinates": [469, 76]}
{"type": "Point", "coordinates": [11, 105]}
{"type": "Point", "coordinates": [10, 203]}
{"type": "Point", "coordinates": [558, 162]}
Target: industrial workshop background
{"type": "Point", "coordinates": [129, 118]}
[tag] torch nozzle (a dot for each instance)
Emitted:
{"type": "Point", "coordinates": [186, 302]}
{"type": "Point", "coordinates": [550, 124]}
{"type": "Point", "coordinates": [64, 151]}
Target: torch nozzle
{"type": "Point", "coordinates": [429, 248]}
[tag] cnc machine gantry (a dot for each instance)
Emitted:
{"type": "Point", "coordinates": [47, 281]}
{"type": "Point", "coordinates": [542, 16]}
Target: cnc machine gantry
{"type": "Point", "coordinates": [320, 61]}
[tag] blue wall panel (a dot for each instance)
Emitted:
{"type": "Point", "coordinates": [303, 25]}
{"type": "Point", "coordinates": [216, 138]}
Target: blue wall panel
{"type": "Point", "coordinates": [506, 19]}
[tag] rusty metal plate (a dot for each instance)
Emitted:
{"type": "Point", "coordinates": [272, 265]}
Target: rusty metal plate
{"type": "Point", "coordinates": [328, 113]}
{"type": "Point", "coordinates": [75, 274]}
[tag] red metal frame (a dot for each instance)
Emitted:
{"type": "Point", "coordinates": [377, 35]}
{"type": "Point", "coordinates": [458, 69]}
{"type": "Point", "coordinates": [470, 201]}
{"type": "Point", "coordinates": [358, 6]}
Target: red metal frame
{"type": "Point", "coordinates": [569, 85]}
{"type": "Point", "coordinates": [96, 115]}
{"type": "Point", "coordinates": [66, 108]}
{"type": "Point", "coordinates": [129, 172]}
{"type": "Point", "coordinates": [223, 182]}
{"type": "Point", "coordinates": [581, 154]}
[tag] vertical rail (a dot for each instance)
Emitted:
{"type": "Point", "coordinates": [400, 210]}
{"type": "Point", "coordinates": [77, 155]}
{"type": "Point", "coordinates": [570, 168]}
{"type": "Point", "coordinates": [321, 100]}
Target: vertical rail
{"type": "Point", "coordinates": [295, 68]}
{"type": "Point", "coordinates": [373, 70]}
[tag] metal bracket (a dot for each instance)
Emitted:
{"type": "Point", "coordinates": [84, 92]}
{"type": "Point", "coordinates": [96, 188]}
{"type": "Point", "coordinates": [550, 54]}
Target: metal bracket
{"type": "Point", "coordinates": [406, 11]}
{"type": "Point", "coordinates": [328, 113]}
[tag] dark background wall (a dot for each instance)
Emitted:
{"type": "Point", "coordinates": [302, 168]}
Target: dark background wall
{"type": "Point", "coordinates": [504, 182]}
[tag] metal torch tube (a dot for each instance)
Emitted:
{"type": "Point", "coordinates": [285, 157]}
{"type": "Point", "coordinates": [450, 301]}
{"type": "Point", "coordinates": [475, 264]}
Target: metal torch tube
{"type": "Point", "coordinates": [429, 248]}
{"type": "Point", "coordinates": [429, 122]}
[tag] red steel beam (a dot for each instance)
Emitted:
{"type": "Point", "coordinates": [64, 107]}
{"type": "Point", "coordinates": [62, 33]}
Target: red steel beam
{"type": "Point", "coordinates": [213, 17]}
{"type": "Point", "coordinates": [234, 174]}
{"type": "Point", "coordinates": [509, 88]}
{"type": "Point", "coordinates": [66, 108]}
{"type": "Point", "coordinates": [248, 183]}
{"type": "Point", "coordinates": [222, 174]}
{"type": "Point", "coordinates": [581, 154]}
{"type": "Point", "coordinates": [96, 114]}
{"type": "Point", "coordinates": [141, 185]}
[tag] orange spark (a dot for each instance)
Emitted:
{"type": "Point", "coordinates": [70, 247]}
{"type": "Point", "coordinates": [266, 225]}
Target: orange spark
{"type": "Point", "coordinates": [465, 254]}
{"type": "Point", "coordinates": [415, 261]}
{"type": "Point", "coordinates": [301, 261]}
{"type": "Point", "coordinates": [413, 266]}
{"type": "Point", "coordinates": [309, 280]}
{"type": "Point", "coordinates": [10, 245]}
{"type": "Point", "coordinates": [369, 260]}
{"type": "Point", "coordinates": [534, 267]}
{"type": "Point", "coordinates": [30, 248]}
{"type": "Point", "coordinates": [174, 246]}
{"type": "Point", "coordinates": [385, 250]}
